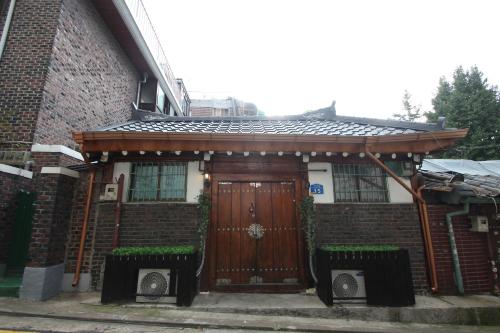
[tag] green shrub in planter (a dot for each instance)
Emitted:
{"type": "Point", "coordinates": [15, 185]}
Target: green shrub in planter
{"type": "Point", "coordinates": [153, 250]}
{"type": "Point", "coordinates": [359, 248]}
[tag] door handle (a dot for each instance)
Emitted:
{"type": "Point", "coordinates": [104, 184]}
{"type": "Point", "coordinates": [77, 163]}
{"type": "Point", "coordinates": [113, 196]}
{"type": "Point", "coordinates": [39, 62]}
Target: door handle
{"type": "Point", "coordinates": [252, 210]}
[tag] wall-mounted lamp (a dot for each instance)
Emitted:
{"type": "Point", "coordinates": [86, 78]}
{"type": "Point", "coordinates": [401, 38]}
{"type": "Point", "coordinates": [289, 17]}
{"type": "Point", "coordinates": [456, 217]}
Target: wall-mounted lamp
{"type": "Point", "coordinates": [206, 179]}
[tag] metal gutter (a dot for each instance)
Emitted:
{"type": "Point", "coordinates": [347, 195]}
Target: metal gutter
{"type": "Point", "coordinates": [453, 245]}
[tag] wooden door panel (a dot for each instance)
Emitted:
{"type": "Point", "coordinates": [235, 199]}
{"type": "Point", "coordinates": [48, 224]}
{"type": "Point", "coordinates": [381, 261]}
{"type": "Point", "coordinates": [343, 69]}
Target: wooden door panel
{"type": "Point", "coordinates": [247, 244]}
{"type": "Point", "coordinates": [285, 237]}
{"type": "Point", "coordinates": [264, 217]}
{"type": "Point", "coordinates": [235, 235]}
{"type": "Point", "coordinates": [244, 263]}
{"type": "Point", "coordinates": [223, 256]}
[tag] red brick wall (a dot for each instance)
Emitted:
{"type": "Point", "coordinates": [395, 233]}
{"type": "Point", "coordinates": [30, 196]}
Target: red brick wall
{"type": "Point", "coordinates": [10, 185]}
{"type": "Point", "coordinates": [472, 249]}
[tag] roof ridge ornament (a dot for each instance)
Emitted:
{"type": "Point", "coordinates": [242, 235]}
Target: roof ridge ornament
{"type": "Point", "coordinates": [441, 122]}
{"type": "Point", "coordinates": [332, 108]}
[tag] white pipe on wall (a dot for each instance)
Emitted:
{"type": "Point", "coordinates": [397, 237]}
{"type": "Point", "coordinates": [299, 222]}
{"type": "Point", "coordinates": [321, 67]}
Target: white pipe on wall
{"type": "Point", "coordinates": [6, 27]}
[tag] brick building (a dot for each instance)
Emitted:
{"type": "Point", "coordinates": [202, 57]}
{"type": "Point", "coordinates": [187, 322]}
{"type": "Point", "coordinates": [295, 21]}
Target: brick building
{"type": "Point", "coordinates": [460, 195]}
{"type": "Point", "coordinates": [65, 66]}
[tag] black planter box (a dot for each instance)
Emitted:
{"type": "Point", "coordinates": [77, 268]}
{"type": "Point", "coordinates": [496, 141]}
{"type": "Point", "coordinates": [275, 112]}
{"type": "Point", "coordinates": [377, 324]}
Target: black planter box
{"type": "Point", "coordinates": [121, 275]}
{"type": "Point", "coordinates": [387, 274]}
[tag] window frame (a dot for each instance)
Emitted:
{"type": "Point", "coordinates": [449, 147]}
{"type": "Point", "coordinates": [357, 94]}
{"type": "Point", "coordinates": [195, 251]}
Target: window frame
{"type": "Point", "coordinates": [158, 180]}
{"type": "Point", "coordinates": [349, 194]}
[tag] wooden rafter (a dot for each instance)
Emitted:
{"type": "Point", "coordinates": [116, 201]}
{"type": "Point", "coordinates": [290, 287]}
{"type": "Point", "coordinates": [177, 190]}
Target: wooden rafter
{"type": "Point", "coordinates": [147, 141]}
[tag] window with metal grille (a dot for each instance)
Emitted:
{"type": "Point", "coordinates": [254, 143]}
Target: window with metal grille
{"type": "Point", "coordinates": [158, 182]}
{"type": "Point", "coordinates": [359, 183]}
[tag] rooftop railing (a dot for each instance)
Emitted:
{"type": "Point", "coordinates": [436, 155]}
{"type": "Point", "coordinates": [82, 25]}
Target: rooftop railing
{"type": "Point", "coordinates": [138, 11]}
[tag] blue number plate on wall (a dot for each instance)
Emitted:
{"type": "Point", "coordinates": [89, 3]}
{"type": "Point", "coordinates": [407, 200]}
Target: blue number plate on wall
{"type": "Point", "coordinates": [316, 189]}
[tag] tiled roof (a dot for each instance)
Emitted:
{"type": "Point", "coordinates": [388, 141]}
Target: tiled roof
{"type": "Point", "coordinates": [466, 185]}
{"type": "Point", "coordinates": [291, 125]}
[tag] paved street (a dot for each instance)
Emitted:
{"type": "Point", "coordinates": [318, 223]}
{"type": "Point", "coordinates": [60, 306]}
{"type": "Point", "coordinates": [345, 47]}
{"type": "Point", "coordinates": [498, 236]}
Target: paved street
{"type": "Point", "coordinates": [39, 325]}
{"type": "Point", "coordinates": [82, 312]}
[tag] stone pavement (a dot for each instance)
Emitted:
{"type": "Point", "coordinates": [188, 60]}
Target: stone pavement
{"type": "Point", "coordinates": [259, 312]}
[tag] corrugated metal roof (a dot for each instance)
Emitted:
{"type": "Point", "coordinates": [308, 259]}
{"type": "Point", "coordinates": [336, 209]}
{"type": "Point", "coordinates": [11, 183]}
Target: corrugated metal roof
{"type": "Point", "coordinates": [466, 167]}
{"type": "Point", "coordinates": [468, 178]}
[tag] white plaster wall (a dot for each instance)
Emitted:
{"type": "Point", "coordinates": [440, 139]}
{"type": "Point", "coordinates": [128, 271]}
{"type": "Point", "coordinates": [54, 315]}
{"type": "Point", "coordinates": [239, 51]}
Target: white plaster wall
{"type": "Point", "coordinates": [194, 182]}
{"type": "Point", "coordinates": [397, 193]}
{"type": "Point", "coordinates": [324, 178]}
{"type": "Point", "coordinates": [119, 168]}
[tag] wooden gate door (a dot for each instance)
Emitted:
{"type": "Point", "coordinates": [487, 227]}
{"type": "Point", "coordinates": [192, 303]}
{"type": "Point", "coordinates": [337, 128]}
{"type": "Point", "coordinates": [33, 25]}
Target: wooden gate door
{"type": "Point", "coordinates": [256, 237]}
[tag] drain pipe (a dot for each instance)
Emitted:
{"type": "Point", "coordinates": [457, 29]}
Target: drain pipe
{"type": "Point", "coordinates": [453, 245]}
{"type": "Point", "coordinates": [424, 219]}
{"type": "Point", "coordinates": [6, 27]}
{"type": "Point", "coordinates": [118, 212]}
{"type": "Point", "coordinates": [86, 214]}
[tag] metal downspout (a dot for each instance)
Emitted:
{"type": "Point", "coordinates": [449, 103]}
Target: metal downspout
{"type": "Point", "coordinates": [424, 219]}
{"type": "Point", "coordinates": [86, 215]}
{"type": "Point", "coordinates": [6, 26]}
{"type": "Point", "coordinates": [453, 245]}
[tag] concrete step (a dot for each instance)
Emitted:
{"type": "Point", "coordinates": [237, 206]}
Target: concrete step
{"type": "Point", "coordinates": [467, 310]}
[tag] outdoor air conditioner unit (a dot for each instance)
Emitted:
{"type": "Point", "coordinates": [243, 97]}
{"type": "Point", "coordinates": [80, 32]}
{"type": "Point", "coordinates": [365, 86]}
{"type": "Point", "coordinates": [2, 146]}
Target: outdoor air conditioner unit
{"type": "Point", "coordinates": [348, 285]}
{"type": "Point", "coordinates": [154, 286]}
{"type": "Point", "coordinates": [479, 223]}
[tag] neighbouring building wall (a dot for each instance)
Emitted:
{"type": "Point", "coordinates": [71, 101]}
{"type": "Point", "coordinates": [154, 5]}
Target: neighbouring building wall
{"type": "Point", "coordinates": [472, 248]}
{"type": "Point", "coordinates": [10, 185]}
{"type": "Point", "coordinates": [90, 82]}
{"type": "Point", "coordinates": [372, 223]}
{"type": "Point", "coordinates": [23, 70]}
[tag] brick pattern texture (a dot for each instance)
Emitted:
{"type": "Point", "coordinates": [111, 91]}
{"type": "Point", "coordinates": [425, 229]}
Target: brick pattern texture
{"type": "Point", "coordinates": [62, 71]}
{"type": "Point", "coordinates": [23, 70]}
{"type": "Point", "coordinates": [90, 82]}
{"type": "Point", "coordinates": [472, 248]}
{"type": "Point", "coordinates": [10, 185]}
{"type": "Point", "coordinates": [144, 224]}
{"type": "Point", "coordinates": [396, 224]}
{"type": "Point", "coordinates": [51, 219]}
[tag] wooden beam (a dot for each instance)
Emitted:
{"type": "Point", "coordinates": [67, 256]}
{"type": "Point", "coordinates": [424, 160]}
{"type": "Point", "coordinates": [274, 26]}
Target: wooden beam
{"type": "Point", "coordinates": [139, 141]}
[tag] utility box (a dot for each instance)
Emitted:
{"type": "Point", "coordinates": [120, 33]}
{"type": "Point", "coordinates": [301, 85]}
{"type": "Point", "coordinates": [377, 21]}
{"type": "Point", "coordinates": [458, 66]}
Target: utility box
{"type": "Point", "coordinates": [110, 192]}
{"type": "Point", "coordinates": [479, 223]}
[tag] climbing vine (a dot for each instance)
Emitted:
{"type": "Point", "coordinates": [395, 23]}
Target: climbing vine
{"type": "Point", "coordinates": [204, 206]}
{"type": "Point", "coordinates": [308, 223]}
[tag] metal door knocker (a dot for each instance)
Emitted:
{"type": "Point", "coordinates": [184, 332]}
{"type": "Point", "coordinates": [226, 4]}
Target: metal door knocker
{"type": "Point", "coordinates": [256, 231]}
{"type": "Point", "coordinates": [252, 210]}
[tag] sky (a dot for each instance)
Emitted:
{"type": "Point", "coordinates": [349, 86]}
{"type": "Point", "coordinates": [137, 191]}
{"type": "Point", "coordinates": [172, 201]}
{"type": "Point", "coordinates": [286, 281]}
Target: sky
{"type": "Point", "coordinates": [292, 56]}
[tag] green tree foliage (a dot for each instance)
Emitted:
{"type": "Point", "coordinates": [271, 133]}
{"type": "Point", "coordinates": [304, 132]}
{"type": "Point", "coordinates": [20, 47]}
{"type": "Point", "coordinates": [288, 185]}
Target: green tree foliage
{"type": "Point", "coordinates": [468, 101]}
{"type": "Point", "coordinates": [411, 112]}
